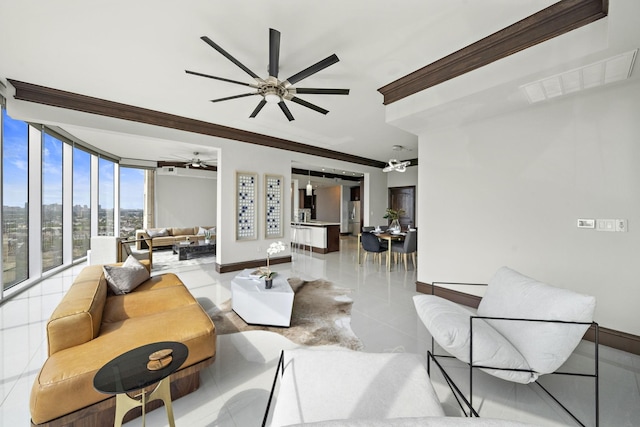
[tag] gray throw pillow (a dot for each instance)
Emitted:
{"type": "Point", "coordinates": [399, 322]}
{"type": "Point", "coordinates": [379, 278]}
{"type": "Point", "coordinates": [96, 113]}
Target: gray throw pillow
{"type": "Point", "coordinates": [126, 278]}
{"type": "Point", "coordinates": [157, 232]}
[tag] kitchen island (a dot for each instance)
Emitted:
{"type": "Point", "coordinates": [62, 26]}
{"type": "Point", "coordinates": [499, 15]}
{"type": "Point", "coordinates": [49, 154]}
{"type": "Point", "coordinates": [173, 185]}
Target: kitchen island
{"type": "Point", "coordinates": [318, 236]}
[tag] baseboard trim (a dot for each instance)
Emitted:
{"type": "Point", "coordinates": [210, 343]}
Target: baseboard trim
{"type": "Point", "coordinates": [609, 337]}
{"type": "Point", "coordinates": [235, 266]}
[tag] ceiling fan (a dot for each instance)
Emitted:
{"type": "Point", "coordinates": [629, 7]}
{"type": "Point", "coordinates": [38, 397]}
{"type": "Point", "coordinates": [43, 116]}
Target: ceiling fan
{"type": "Point", "coordinates": [272, 89]}
{"type": "Point", "coordinates": [195, 161]}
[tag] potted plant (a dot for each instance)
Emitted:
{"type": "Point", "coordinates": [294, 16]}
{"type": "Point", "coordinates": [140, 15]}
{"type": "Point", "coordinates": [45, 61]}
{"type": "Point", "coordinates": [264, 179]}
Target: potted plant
{"type": "Point", "coordinates": [394, 215]}
{"type": "Point", "coordinates": [274, 248]}
{"type": "Point", "coordinates": [207, 236]}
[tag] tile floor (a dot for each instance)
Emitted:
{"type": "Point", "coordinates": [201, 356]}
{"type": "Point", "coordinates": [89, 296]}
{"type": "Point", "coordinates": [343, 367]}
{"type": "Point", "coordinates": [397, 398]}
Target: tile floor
{"type": "Point", "coordinates": [234, 390]}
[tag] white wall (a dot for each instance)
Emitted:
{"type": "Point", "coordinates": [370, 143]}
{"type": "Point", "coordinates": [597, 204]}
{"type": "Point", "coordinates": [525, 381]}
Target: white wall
{"type": "Point", "coordinates": [186, 200]}
{"type": "Point", "coordinates": [374, 199]}
{"type": "Point", "coordinates": [508, 191]}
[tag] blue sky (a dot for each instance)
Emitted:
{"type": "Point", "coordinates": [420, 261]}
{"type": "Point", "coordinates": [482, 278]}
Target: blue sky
{"type": "Point", "coordinates": [15, 162]}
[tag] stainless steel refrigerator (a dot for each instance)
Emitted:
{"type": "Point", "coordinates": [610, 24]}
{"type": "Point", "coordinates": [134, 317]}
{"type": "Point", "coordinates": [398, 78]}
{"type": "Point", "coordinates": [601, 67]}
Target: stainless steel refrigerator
{"type": "Point", "coordinates": [354, 218]}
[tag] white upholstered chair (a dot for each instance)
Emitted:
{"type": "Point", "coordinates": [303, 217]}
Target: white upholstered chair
{"type": "Point", "coordinates": [523, 329]}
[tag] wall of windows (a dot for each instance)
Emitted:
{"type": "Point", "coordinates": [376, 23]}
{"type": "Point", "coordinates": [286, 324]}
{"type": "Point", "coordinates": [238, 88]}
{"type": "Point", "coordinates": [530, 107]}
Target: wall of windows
{"type": "Point", "coordinates": [131, 201]}
{"type": "Point", "coordinates": [52, 229]}
{"type": "Point", "coordinates": [93, 205]}
{"type": "Point", "coordinates": [15, 194]}
{"type": "Point", "coordinates": [106, 197]}
{"type": "Point", "coordinates": [81, 215]}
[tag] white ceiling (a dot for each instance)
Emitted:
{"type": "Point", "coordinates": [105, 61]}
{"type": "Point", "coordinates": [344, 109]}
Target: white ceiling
{"type": "Point", "coordinates": [135, 52]}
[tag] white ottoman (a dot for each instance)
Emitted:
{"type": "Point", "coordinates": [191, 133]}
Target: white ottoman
{"type": "Point", "coordinates": [259, 306]}
{"type": "Point", "coordinates": [322, 385]}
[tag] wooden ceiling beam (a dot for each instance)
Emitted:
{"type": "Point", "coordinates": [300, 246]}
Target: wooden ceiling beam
{"type": "Point", "coordinates": [58, 98]}
{"type": "Point", "coordinates": [555, 20]}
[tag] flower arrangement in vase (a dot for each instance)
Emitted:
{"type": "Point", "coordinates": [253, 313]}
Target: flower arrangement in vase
{"type": "Point", "coordinates": [393, 215]}
{"type": "Point", "coordinates": [274, 248]}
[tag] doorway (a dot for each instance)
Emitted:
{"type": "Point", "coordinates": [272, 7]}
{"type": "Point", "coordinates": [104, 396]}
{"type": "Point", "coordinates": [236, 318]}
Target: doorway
{"type": "Point", "coordinates": [404, 198]}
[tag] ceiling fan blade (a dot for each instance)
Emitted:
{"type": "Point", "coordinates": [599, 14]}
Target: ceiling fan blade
{"type": "Point", "coordinates": [309, 105]}
{"type": "Point", "coordinates": [274, 52]}
{"type": "Point", "coordinates": [195, 73]}
{"type": "Point", "coordinates": [318, 66]}
{"type": "Point", "coordinates": [228, 56]}
{"type": "Point", "coordinates": [285, 110]}
{"type": "Point", "coordinates": [311, 91]}
{"type": "Point", "coordinates": [258, 108]}
{"type": "Point", "coordinates": [234, 97]}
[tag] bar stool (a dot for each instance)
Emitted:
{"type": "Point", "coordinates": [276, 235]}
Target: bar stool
{"type": "Point", "coordinates": [301, 236]}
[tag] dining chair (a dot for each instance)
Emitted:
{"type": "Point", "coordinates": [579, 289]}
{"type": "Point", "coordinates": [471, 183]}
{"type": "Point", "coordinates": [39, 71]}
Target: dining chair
{"type": "Point", "coordinates": [371, 243]}
{"type": "Point", "coordinates": [408, 246]}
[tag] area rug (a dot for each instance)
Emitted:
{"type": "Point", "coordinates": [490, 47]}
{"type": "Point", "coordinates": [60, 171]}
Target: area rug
{"type": "Point", "coordinates": [165, 259]}
{"type": "Point", "coordinates": [321, 316]}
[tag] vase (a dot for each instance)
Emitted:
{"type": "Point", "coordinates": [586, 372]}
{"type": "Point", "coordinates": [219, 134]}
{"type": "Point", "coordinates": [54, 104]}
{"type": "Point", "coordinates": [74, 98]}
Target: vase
{"type": "Point", "coordinates": [207, 241]}
{"type": "Point", "coordinates": [394, 226]}
{"type": "Point", "coordinates": [268, 283]}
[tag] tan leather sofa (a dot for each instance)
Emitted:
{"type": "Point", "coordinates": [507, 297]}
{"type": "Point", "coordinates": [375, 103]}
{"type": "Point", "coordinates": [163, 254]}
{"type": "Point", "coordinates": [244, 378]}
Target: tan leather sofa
{"type": "Point", "coordinates": [172, 236]}
{"type": "Point", "coordinates": [91, 326]}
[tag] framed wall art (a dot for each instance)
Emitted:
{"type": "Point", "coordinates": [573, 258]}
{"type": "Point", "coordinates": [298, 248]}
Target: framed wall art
{"type": "Point", "coordinates": [246, 206]}
{"type": "Point", "coordinates": [273, 206]}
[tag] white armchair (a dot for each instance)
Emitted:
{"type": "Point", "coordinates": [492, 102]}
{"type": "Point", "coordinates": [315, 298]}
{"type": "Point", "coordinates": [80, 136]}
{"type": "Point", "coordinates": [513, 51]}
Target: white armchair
{"type": "Point", "coordinates": [523, 329]}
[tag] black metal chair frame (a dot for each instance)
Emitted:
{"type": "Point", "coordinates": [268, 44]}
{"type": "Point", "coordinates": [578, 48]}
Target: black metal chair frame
{"type": "Point", "coordinates": [466, 405]}
{"type": "Point", "coordinates": [279, 369]}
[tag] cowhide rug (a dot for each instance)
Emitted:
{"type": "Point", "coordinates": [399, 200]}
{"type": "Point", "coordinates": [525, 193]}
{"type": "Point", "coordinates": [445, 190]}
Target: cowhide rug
{"type": "Point", "coordinates": [321, 316]}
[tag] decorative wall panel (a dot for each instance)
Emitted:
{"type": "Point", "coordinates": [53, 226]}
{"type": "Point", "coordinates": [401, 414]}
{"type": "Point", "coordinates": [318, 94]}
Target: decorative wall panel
{"type": "Point", "coordinates": [273, 205]}
{"type": "Point", "coordinates": [246, 206]}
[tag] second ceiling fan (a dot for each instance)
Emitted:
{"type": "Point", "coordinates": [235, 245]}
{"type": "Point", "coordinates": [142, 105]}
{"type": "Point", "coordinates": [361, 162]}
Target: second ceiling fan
{"type": "Point", "coordinates": [272, 89]}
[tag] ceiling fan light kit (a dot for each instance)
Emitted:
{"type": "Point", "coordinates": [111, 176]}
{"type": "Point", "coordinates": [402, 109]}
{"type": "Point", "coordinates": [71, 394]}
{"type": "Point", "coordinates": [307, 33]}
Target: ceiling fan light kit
{"type": "Point", "coordinates": [272, 90]}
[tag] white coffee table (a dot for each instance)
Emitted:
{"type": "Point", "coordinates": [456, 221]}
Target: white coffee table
{"type": "Point", "coordinates": [259, 306]}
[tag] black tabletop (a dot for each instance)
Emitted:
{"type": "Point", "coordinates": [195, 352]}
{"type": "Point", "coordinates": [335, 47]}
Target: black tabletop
{"type": "Point", "coordinates": [128, 372]}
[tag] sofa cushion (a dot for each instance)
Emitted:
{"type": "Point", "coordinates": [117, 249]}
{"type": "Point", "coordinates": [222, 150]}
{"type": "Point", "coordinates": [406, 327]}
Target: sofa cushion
{"type": "Point", "coordinates": [165, 240]}
{"type": "Point", "coordinates": [157, 232]}
{"type": "Point", "coordinates": [545, 346]}
{"type": "Point", "coordinates": [123, 279]}
{"type": "Point", "coordinates": [136, 304]}
{"type": "Point", "coordinates": [384, 385]}
{"type": "Point", "coordinates": [448, 324]}
{"type": "Point", "coordinates": [188, 231]}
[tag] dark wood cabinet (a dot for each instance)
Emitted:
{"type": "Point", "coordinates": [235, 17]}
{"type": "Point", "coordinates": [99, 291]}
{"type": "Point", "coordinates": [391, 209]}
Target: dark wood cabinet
{"type": "Point", "coordinates": [355, 194]}
{"type": "Point", "coordinates": [333, 238]}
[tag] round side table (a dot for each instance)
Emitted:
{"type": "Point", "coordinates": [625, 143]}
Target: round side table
{"type": "Point", "coordinates": [128, 373]}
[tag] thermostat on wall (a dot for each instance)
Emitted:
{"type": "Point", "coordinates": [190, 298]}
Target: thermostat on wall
{"type": "Point", "coordinates": [586, 223]}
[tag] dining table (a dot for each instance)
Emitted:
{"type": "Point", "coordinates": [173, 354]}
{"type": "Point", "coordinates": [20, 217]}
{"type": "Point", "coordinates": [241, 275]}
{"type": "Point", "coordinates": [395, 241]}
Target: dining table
{"type": "Point", "coordinates": [389, 237]}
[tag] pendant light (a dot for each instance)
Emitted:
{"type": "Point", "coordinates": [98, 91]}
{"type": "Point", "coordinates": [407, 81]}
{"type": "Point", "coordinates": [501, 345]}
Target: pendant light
{"type": "Point", "coordinates": [309, 186]}
{"type": "Point", "coordinates": [394, 164]}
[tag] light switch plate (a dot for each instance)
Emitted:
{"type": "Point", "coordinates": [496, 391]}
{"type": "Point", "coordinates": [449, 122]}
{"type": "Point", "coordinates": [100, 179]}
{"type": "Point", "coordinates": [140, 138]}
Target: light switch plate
{"type": "Point", "coordinates": [605, 224]}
